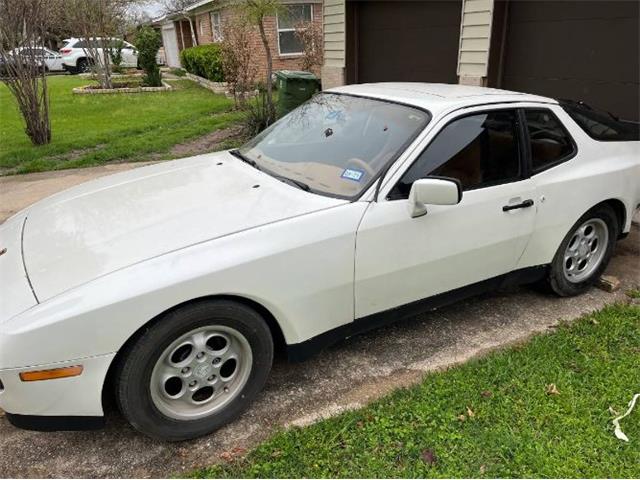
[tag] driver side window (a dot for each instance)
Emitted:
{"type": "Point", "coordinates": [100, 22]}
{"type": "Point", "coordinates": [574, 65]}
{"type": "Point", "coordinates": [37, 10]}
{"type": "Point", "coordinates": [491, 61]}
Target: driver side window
{"type": "Point", "coordinates": [479, 150]}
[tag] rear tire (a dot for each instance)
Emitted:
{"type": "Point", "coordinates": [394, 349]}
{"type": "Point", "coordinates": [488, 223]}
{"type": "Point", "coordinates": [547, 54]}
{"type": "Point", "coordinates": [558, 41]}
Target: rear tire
{"type": "Point", "coordinates": [194, 370]}
{"type": "Point", "coordinates": [585, 252]}
{"type": "Point", "coordinates": [82, 66]}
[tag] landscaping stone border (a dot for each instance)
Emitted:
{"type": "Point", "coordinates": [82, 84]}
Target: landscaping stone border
{"type": "Point", "coordinates": [215, 87]}
{"type": "Point", "coordinates": [95, 91]}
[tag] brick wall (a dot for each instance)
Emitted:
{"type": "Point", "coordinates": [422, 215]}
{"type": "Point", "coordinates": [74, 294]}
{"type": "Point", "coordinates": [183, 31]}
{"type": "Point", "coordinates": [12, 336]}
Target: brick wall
{"type": "Point", "coordinates": [203, 26]}
{"type": "Point", "coordinates": [280, 62]}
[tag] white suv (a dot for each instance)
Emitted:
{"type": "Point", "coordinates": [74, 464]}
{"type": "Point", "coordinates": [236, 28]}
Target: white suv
{"type": "Point", "coordinates": [76, 58]}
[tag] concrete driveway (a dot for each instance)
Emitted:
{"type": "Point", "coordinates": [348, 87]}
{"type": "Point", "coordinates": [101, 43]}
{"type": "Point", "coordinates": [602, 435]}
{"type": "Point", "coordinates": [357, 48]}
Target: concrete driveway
{"type": "Point", "coordinates": [348, 375]}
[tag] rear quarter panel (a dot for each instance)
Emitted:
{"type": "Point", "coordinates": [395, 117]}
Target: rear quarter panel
{"type": "Point", "coordinates": [600, 171]}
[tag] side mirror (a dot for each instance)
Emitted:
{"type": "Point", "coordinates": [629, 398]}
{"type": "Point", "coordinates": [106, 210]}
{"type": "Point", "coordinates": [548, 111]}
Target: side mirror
{"type": "Point", "coordinates": [433, 191]}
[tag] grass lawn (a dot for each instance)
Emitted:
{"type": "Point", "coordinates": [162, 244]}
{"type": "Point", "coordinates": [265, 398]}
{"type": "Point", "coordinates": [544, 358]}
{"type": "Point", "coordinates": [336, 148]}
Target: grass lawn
{"type": "Point", "coordinates": [491, 417]}
{"type": "Point", "coordinates": [95, 129]}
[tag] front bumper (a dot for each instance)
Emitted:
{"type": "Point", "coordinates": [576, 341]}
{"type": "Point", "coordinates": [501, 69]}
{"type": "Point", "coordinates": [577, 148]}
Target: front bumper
{"type": "Point", "coordinates": [43, 423]}
{"type": "Point", "coordinates": [59, 404]}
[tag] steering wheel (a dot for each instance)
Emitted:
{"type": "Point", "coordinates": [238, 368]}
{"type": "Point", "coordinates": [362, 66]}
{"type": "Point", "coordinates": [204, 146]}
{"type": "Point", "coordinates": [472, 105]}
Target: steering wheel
{"type": "Point", "coordinates": [362, 165]}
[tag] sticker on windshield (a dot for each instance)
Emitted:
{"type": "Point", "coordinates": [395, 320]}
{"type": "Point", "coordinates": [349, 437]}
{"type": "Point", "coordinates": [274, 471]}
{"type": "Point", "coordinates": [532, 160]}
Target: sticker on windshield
{"type": "Point", "coordinates": [352, 174]}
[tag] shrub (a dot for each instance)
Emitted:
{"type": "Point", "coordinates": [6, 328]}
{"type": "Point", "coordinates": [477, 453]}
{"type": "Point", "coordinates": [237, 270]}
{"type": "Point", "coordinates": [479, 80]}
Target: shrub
{"type": "Point", "coordinates": [178, 72]}
{"type": "Point", "coordinates": [115, 53]}
{"type": "Point", "coordinates": [204, 61]}
{"type": "Point", "coordinates": [237, 61]}
{"type": "Point", "coordinates": [148, 43]}
{"type": "Point", "coordinates": [259, 115]}
{"type": "Point", "coordinates": [310, 36]}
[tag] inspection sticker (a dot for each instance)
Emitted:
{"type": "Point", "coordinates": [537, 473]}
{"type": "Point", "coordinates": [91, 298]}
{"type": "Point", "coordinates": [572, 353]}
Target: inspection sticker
{"type": "Point", "coordinates": [352, 174]}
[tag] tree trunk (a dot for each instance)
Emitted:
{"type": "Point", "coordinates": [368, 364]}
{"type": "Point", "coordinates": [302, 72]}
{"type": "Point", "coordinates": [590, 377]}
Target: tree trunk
{"type": "Point", "coordinates": [107, 66]}
{"type": "Point", "coordinates": [268, 86]}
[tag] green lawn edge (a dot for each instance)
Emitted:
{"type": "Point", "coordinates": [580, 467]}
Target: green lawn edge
{"type": "Point", "coordinates": [494, 416]}
{"type": "Point", "coordinates": [90, 130]}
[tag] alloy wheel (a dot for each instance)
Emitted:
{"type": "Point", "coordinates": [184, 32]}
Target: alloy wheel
{"type": "Point", "coordinates": [201, 372]}
{"type": "Point", "coordinates": [585, 250]}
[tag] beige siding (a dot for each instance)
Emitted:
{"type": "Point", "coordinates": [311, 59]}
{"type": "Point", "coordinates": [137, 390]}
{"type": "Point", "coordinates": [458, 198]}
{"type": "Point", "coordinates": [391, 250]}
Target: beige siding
{"type": "Point", "coordinates": [475, 37]}
{"type": "Point", "coordinates": [334, 33]}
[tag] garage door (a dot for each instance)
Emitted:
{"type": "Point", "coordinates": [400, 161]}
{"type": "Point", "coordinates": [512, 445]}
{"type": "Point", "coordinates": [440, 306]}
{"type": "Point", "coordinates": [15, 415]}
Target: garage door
{"type": "Point", "coordinates": [586, 50]}
{"type": "Point", "coordinates": [402, 41]}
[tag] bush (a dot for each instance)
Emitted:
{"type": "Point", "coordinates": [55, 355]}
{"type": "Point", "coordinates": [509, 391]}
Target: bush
{"type": "Point", "coordinates": [204, 61]}
{"type": "Point", "coordinates": [258, 115]}
{"type": "Point", "coordinates": [115, 53]}
{"type": "Point", "coordinates": [178, 72]}
{"type": "Point", "coordinates": [237, 61]}
{"type": "Point", "coordinates": [148, 43]}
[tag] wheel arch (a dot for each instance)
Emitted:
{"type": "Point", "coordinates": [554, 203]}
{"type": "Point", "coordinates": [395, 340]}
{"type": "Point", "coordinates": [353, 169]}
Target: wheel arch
{"type": "Point", "coordinates": [620, 210]}
{"type": "Point", "coordinates": [274, 327]}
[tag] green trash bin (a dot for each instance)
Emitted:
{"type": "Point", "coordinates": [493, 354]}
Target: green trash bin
{"type": "Point", "coordinates": [294, 88]}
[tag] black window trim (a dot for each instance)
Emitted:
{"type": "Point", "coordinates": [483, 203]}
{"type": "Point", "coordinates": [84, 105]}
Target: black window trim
{"type": "Point", "coordinates": [527, 141]}
{"type": "Point", "coordinates": [523, 151]}
{"type": "Point", "coordinates": [568, 105]}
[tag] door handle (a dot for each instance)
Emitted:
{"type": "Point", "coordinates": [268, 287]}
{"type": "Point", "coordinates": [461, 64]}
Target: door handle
{"type": "Point", "coordinates": [526, 204]}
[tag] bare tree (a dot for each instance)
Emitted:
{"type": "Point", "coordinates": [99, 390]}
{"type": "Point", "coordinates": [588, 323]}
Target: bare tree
{"type": "Point", "coordinates": [97, 21]}
{"type": "Point", "coordinates": [237, 60]}
{"type": "Point", "coordinates": [22, 27]}
{"type": "Point", "coordinates": [256, 11]}
{"type": "Point", "coordinates": [309, 34]}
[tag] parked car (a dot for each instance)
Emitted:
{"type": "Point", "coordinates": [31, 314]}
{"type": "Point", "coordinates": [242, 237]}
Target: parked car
{"type": "Point", "coordinates": [37, 63]}
{"type": "Point", "coordinates": [77, 59]}
{"type": "Point", "coordinates": [51, 60]}
{"type": "Point", "coordinates": [174, 283]}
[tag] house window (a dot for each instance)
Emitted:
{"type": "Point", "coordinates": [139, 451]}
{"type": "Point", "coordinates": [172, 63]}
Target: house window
{"type": "Point", "coordinates": [201, 24]}
{"type": "Point", "coordinates": [288, 43]}
{"type": "Point", "coordinates": [216, 26]}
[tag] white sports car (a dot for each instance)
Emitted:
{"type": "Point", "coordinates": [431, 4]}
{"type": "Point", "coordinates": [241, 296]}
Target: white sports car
{"type": "Point", "coordinates": [172, 284]}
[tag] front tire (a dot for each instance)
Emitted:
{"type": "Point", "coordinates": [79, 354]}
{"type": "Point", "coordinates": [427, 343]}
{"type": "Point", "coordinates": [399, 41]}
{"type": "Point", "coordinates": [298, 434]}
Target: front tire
{"type": "Point", "coordinates": [585, 252]}
{"type": "Point", "coordinates": [194, 370]}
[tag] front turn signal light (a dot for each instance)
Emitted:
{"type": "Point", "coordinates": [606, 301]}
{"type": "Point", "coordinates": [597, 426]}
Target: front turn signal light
{"type": "Point", "coordinates": [51, 374]}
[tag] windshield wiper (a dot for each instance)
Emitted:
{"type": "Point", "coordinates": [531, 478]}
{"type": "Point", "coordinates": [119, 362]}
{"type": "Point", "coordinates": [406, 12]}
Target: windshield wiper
{"type": "Point", "coordinates": [297, 183]}
{"type": "Point", "coordinates": [245, 159]}
{"type": "Point", "coordinates": [301, 185]}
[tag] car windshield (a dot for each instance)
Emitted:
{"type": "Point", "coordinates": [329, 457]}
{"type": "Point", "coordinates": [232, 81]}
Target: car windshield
{"type": "Point", "coordinates": [335, 144]}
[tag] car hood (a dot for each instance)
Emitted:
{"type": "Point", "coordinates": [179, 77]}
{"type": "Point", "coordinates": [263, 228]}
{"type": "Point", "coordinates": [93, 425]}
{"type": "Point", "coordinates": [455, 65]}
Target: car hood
{"type": "Point", "coordinates": [113, 222]}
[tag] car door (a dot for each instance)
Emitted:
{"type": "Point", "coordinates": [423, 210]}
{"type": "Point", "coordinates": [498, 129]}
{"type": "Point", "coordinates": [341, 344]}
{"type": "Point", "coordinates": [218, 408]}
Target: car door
{"type": "Point", "coordinates": [400, 259]}
{"type": "Point", "coordinates": [53, 60]}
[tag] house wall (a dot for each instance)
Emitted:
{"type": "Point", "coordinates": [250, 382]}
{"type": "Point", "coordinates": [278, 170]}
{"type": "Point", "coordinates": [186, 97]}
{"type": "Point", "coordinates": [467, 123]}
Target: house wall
{"type": "Point", "coordinates": [228, 14]}
{"type": "Point", "coordinates": [475, 39]}
{"type": "Point", "coordinates": [183, 34]}
{"type": "Point", "coordinates": [202, 23]}
{"type": "Point", "coordinates": [334, 28]}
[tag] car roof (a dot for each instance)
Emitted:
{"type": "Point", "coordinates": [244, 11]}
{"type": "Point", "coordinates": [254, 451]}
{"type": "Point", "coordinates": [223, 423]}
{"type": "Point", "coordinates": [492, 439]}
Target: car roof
{"type": "Point", "coordinates": [438, 97]}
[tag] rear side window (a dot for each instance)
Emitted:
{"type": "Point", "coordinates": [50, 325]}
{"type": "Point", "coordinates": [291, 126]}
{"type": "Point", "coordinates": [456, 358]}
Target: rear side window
{"type": "Point", "coordinates": [601, 125]}
{"type": "Point", "coordinates": [550, 143]}
{"type": "Point", "coordinates": [479, 150]}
